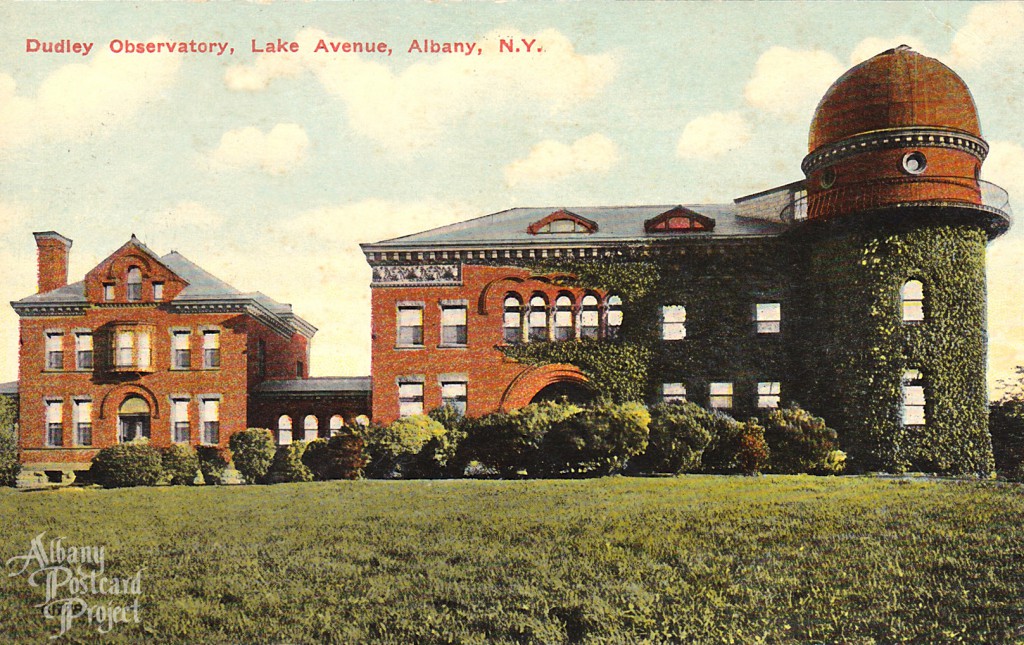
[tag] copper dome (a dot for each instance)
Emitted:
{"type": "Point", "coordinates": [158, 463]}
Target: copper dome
{"type": "Point", "coordinates": [898, 88]}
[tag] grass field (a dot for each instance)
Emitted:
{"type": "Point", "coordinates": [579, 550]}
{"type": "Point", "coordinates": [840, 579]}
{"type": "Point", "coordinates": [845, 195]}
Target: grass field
{"type": "Point", "coordinates": [613, 560]}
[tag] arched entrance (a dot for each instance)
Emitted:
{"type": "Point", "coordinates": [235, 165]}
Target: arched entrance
{"type": "Point", "coordinates": [546, 383]}
{"type": "Point", "coordinates": [568, 391]}
{"type": "Point", "coordinates": [133, 419]}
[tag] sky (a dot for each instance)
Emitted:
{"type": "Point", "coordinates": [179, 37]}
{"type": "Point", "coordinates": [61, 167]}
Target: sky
{"type": "Point", "coordinates": [268, 168]}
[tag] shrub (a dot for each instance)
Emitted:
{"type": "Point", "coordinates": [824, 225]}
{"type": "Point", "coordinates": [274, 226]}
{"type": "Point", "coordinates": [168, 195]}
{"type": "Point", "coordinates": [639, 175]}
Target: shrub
{"type": "Point", "coordinates": [800, 442]}
{"type": "Point", "coordinates": [393, 449]}
{"type": "Point", "coordinates": [1006, 424]}
{"type": "Point", "coordinates": [339, 457]}
{"type": "Point", "coordinates": [679, 434]}
{"type": "Point", "coordinates": [180, 464]}
{"type": "Point", "coordinates": [10, 464]}
{"type": "Point", "coordinates": [287, 465]}
{"type": "Point", "coordinates": [213, 461]}
{"type": "Point", "coordinates": [597, 441]}
{"type": "Point", "coordinates": [253, 451]}
{"type": "Point", "coordinates": [512, 442]}
{"type": "Point", "coordinates": [735, 447]}
{"type": "Point", "coordinates": [127, 464]}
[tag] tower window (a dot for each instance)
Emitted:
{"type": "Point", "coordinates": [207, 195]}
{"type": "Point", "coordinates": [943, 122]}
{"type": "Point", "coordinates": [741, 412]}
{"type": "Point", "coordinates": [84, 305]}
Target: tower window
{"type": "Point", "coordinates": [912, 297]}
{"type": "Point", "coordinates": [913, 398]}
{"type": "Point", "coordinates": [828, 177]}
{"type": "Point", "coordinates": [914, 163]}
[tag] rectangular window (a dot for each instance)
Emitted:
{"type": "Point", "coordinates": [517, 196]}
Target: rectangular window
{"type": "Point", "coordinates": [453, 324]}
{"type": "Point", "coordinates": [721, 396]}
{"type": "Point", "coordinates": [134, 291]}
{"type": "Point", "coordinates": [181, 355]}
{"type": "Point", "coordinates": [125, 349]}
{"type": "Point", "coordinates": [145, 352]}
{"type": "Point", "coordinates": [769, 394]}
{"type": "Point", "coordinates": [768, 317]}
{"type": "Point", "coordinates": [55, 351]}
{"type": "Point", "coordinates": [300, 369]}
{"type": "Point", "coordinates": [410, 399]}
{"type": "Point", "coordinates": [913, 399]}
{"type": "Point", "coordinates": [453, 393]}
{"type": "Point", "coordinates": [55, 423]}
{"type": "Point", "coordinates": [158, 291]}
{"type": "Point", "coordinates": [410, 326]}
{"type": "Point", "coordinates": [673, 322]}
{"type": "Point", "coordinates": [82, 417]}
{"type": "Point", "coordinates": [261, 358]}
{"type": "Point", "coordinates": [211, 349]}
{"type": "Point", "coordinates": [108, 292]}
{"type": "Point", "coordinates": [211, 420]}
{"type": "Point", "coordinates": [181, 433]}
{"type": "Point", "coordinates": [83, 351]}
{"type": "Point", "coordinates": [673, 392]}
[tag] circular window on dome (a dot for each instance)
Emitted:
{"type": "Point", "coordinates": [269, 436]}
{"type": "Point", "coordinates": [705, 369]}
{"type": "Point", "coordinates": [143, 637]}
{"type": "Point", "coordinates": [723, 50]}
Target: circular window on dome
{"type": "Point", "coordinates": [914, 163]}
{"type": "Point", "coordinates": [828, 177]}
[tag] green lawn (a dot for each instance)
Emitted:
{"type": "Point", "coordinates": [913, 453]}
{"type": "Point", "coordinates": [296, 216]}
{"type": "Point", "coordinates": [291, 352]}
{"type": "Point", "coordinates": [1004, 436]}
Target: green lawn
{"type": "Point", "coordinates": [614, 560]}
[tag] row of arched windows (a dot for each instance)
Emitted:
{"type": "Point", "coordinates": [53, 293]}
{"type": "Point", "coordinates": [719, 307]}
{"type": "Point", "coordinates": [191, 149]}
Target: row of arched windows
{"type": "Point", "coordinates": [310, 429]}
{"type": "Point", "coordinates": [537, 320]}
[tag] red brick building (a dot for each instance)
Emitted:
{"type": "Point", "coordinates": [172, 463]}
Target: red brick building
{"type": "Point", "coordinates": [154, 346]}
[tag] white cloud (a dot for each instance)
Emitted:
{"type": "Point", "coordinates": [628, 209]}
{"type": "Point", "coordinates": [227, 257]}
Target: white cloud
{"type": "Point", "coordinates": [277, 152]}
{"type": "Point", "coordinates": [873, 46]}
{"type": "Point", "coordinates": [407, 110]}
{"type": "Point", "coordinates": [80, 99]}
{"type": "Point", "coordinates": [552, 160]}
{"type": "Point", "coordinates": [712, 135]}
{"type": "Point", "coordinates": [993, 31]}
{"type": "Point", "coordinates": [789, 83]}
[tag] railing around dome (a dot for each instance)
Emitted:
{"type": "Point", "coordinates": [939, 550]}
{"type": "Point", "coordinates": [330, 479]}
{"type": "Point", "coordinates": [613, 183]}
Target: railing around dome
{"type": "Point", "coordinates": [900, 192]}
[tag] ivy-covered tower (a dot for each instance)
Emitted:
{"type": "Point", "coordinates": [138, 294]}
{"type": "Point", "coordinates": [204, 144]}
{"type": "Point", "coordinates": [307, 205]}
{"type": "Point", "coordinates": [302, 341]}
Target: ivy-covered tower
{"type": "Point", "coordinates": [894, 266]}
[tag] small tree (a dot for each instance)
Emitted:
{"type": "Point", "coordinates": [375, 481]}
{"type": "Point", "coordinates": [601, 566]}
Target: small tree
{"type": "Point", "coordinates": [213, 461]}
{"type": "Point", "coordinates": [680, 432]}
{"type": "Point", "coordinates": [340, 457]}
{"type": "Point", "coordinates": [287, 465]}
{"type": "Point", "coordinates": [253, 452]}
{"type": "Point", "coordinates": [127, 464]}
{"type": "Point", "coordinates": [800, 442]}
{"type": "Point", "coordinates": [180, 464]}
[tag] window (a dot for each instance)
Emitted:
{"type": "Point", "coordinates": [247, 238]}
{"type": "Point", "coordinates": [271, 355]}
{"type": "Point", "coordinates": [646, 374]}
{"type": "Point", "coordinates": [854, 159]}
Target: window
{"type": "Point", "coordinates": [563, 318]}
{"type": "Point", "coordinates": [614, 327]}
{"type": "Point", "coordinates": [55, 350]}
{"type": "Point", "coordinates": [211, 349]}
{"type": "Point", "coordinates": [82, 418]}
{"type": "Point", "coordinates": [261, 358]}
{"type": "Point", "coordinates": [410, 325]}
{"type": "Point", "coordinates": [134, 284]}
{"type": "Point", "coordinates": [284, 430]}
{"type": "Point", "coordinates": [83, 350]}
{"type": "Point", "coordinates": [673, 392]}
{"type": "Point", "coordinates": [513, 319]}
{"type": "Point", "coordinates": [211, 420]}
{"type": "Point", "coordinates": [310, 427]}
{"type": "Point", "coordinates": [914, 163]}
{"type": "Point", "coordinates": [538, 319]}
{"type": "Point", "coordinates": [453, 393]}
{"type": "Point", "coordinates": [721, 396]}
{"type": "Point", "coordinates": [181, 355]}
{"type": "Point", "coordinates": [562, 221]}
{"type": "Point", "coordinates": [300, 369]}
{"type": "Point", "coordinates": [912, 296]}
{"type": "Point", "coordinates": [158, 291]}
{"type": "Point", "coordinates": [590, 317]}
{"type": "Point", "coordinates": [769, 394]}
{"type": "Point", "coordinates": [768, 317]}
{"type": "Point", "coordinates": [108, 291]}
{"type": "Point", "coordinates": [410, 399]}
{"type": "Point", "coordinates": [125, 351]}
{"type": "Point", "coordinates": [54, 423]}
{"type": "Point", "coordinates": [180, 430]}
{"type": "Point", "coordinates": [336, 424]}
{"type": "Point", "coordinates": [453, 324]}
{"type": "Point", "coordinates": [145, 352]}
{"type": "Point", "coordinates": [673, 322]}
{"type": "Point", "coordinates": [913, 398]}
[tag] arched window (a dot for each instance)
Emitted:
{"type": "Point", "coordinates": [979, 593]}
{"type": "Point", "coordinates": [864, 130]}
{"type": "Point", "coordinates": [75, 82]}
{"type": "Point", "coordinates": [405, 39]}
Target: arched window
{"type": "Point", "coordinates": [284, 422]}
{"type": "Point", "coordinates": [912, 296]}
{"type": "Point", "coordinates": [563, 318]}
{"type": "Point", "coordinates": [134, 283]}
{"type": "Point", "coordinates": [513, 320]}
{"type": "Point", "coordinates": [284, 430]}
{"type": "Point", "coordinates": [538, 320]}
{"type": "Point", "coordinates": [590, 317]}
{"type": "Point", "coordinates": [336, 423]}
{"type": "Point", "coordinates": [310, 425]}
{"type": "Point", "coordinates": [133, 419]}
{"type": "Point", "coordinates": [614, 317]}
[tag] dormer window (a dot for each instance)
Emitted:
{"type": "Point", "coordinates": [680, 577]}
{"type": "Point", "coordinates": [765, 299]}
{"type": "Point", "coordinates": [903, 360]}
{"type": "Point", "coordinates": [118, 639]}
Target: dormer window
{"type": "Point", "coordinates": [679, 220]}
{"type": "Point", "coordinates": [561, 222]}
{"type": "Point", "coordinates": [134, 284]}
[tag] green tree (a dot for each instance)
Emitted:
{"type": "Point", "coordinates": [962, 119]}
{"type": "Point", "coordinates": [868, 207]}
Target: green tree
{"type": "Point", "coordinates": [253, 452]}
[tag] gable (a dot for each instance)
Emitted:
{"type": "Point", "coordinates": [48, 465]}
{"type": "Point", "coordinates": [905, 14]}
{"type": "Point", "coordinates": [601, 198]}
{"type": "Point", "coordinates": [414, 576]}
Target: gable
{"type": "Point", "coordinates": [679, 220]}
{"type": "Point", "coordinates": [133, 258]}
{"type": "Point", "coordinates": [560, 222]}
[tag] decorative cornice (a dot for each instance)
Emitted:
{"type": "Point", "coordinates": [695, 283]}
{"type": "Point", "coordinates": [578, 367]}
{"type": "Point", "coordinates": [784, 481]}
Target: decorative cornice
{"type": "Point", "coordinates": [895, 138]}
{"type": "Point", "coordinates": [417, 274]}
{"type": "Point", "coordinates": [33, 310]}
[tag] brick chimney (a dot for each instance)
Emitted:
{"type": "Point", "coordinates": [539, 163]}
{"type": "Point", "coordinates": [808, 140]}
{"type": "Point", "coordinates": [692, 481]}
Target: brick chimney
{"type": "Point", "coordinates": [53, 251]}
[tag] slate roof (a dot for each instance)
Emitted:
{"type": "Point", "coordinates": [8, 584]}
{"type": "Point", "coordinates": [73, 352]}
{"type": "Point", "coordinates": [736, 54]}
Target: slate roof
{"type": "Point", "coordinates": [9, 388]}
{"type": "Point", "coordinates": [317, 385]}
{"type": "Point", "coordinates": [615, 224]}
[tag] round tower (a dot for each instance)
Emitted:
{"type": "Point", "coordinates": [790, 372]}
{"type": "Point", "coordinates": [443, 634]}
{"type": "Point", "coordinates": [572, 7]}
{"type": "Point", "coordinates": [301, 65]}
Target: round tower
{"type": "Point", "coordinates": [897, 222]}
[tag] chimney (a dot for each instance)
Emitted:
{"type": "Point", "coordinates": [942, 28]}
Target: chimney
{"type": "Point", "coordinates": [53, 251]}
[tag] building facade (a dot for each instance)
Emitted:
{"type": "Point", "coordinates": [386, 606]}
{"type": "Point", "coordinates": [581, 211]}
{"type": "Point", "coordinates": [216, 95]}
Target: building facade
{"type": "Point", "coordinates": [857, 291]}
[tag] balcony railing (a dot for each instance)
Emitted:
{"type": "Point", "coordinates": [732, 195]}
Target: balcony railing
{"type": "Point", "coordinates": [958, 192]}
